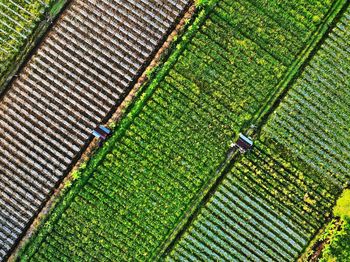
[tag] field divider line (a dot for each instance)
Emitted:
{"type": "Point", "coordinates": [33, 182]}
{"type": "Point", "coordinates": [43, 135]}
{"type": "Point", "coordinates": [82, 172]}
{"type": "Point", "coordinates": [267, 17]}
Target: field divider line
{"type": "Point", "coordinates": [72, 183]}
{"type": "Point", "coordinates": [273, 101]}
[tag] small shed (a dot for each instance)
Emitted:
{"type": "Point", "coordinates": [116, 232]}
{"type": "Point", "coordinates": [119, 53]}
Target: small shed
{"type": "Point", "coordinates": [101, 132]}
{"type": "Point", "coordinates": [243, 143]}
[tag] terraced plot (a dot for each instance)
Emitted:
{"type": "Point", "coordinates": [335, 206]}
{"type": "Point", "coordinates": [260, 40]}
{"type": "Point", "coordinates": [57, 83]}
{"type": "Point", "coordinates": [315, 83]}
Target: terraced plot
{"type": "Point", "coordinates": [82, 71]}
{"type": "Point", "coordinates": [138, 188]}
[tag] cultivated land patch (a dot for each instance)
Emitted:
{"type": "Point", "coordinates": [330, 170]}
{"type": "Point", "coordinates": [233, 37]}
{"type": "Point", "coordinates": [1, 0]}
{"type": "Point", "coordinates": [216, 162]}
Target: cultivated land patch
{"type": "Point", "coordinates": [135, 193]}
{"type": "Point", "coordinates": [284, 189]}
{"type": "Point", "coordinates": [265, 209]}
{"type": "Point", "coordinates": [313, 121]}
{"type": "Point", "coordinates": [336, 236]}
{"type": "Point", "coordinates": [22, 23]}
{"type": "Point", "coordinates": [18, 19]}
{"type": "Point", "coordinates": [79, 75]}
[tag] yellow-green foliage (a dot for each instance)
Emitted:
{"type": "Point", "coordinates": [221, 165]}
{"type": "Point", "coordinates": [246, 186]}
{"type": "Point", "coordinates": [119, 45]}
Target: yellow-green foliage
{"type": "Point", "coordinates": [342, 209]}
{"type": "Point", "coordinates": [200, 3]}
{"type": "Point", "coordinates": [18, 20]}
{"type": "Point", "coordinates": [338, 248]}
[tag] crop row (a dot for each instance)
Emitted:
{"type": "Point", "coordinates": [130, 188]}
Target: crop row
{"type": "Point", "coordinates": [171, 143]}
{"type": "Point", "coordinates": [270, 197]}
{"type": "Point", "coordinates": [313, 120]}
{"type": "Point", "coordinates": [82, 70]}
{"type": "Point", "coordinates": [265, 209]}
{"type": "Point", "coordinates": [18, 19]}
{"type": "Point", "coordinates": [280, 32]}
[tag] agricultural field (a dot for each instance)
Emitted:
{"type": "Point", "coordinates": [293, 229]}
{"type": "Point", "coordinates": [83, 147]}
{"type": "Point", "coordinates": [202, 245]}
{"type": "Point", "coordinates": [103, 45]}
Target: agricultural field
{"type": "Point", "coordinates": [133, 195]}
{"type": "Point", "coordinates": [80, 73]}
{"type": "Point", "coordinates": [284, 189]}
{"type": "Point", "coordinates": [265, 209]}
{"type": "Point", "coordinates": [18, 19]}
{"type": "Point", "coordinates": [332, 242]}
{"type": "Point", "coordinates": [313, 121]}
{"type": "Point", "coordinates": [338, 249]}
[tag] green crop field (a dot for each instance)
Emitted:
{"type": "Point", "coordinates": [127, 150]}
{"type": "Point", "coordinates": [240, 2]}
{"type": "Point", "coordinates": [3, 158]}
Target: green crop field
{"type": "Point", "coordinates": [332, 241]}
{"type": "Point", "coordinates": [338, 249]}
{"type": "Point", "coordinates": [284, 189]}
{"type": "Point", "coordinates": [265, 209]}
{"type": "Point", "coordinates": [337, 238]}
{"type": "Point", "coordinates": [138, 189]}
{"type": "Point", "coordinates": [17, 21]}
{"type": "Point", "coordinates": [313, 121]}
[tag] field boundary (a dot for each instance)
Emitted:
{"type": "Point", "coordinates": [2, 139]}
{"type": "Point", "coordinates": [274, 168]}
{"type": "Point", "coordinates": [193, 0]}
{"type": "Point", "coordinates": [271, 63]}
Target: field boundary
{"type": "Point", "coordinates": [141, 98]}
{"type": "Point", "coordinates": [63, 195]}
{"type": "Point", "coordinates": [49, 18]}
{"type": "Point", "coordinates": [253, 127]}
{"type": "Point", "coordinates": [316, 244]}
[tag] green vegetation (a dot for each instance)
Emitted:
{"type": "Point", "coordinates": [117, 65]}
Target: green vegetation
{"type": "Point", "coordinates": [339, 248]}
{"type": "Point", "coordinates": [313, 123]}
{"type": "Point", "coordinates": [338, 237]}
{"type": "Point", "coordinates": [265, 209]}
{"type": "Point", "coordinates": [56, 7]}
{"type": "Point", "coordinates": [22, 24]}
{"type": "Point", "coordinates": [18, 19]}
{"type": "Point", "coordinates": [272, 184]}
{"type": "Point", "coordinates": [342, 208]}
{"type": "Point", "coordinates": [313, 119]}
{"type": "Point", "coordinates": [201, 3]}
{"type": "Point", "coordinates": [135, 193]}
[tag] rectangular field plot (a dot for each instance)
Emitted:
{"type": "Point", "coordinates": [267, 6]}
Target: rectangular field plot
{"type": "Point", "coordinates": [313, 121]}
{"type": "Point", "coordinates": [275, 198]}
{"type": "Point", "coordinates": [265, 209]}
{"type": "Point", "coordinates": [139, 186]}
{"type": "Point", "coordinates": [81, 72]}
{"type": "Point", "coordinates": [18, 19]}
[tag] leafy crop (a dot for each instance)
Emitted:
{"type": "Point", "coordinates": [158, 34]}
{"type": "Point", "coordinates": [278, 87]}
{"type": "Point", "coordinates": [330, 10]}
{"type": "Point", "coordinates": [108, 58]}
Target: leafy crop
{"type": "Point", "coordinates": [337, 247]}
{"type": "Point", "coordinates": [271, 182]}
{"type": "Point", "coordinates": [342, 208]}
{"type": "Point", "coordinates": [262, 204]}
{"type": "Point", "coordinates": [18, 19]}
{"type": "Point", "coordinates": [137, 189]}
{"type": "Point", "coordinates": [313, 120]}
{"type": "Point", "coordinates": [201, 3]}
